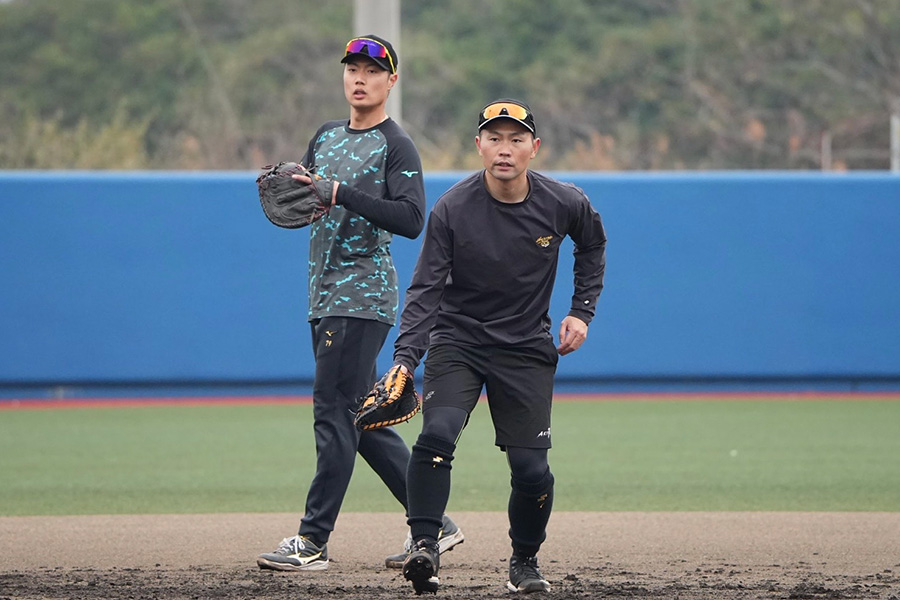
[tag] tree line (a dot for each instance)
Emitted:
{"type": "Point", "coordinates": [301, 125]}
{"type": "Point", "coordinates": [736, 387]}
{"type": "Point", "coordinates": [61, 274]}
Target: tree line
{"type": "Point", "coordinates": [615, 84]}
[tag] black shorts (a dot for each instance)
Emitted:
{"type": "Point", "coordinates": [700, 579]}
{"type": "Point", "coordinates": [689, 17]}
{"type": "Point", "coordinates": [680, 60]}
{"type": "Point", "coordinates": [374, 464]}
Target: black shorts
{"type": "Point", "coordinates": [519, 384]}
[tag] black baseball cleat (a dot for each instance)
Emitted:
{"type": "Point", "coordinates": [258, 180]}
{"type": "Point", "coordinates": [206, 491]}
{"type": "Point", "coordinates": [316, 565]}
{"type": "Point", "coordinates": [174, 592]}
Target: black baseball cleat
{"type": "Point", "coordinates": [524, 575]}
{"type": "Point", "coordinates": [449, 537]}
{"type": "Point", "coordinates": [421, 566]}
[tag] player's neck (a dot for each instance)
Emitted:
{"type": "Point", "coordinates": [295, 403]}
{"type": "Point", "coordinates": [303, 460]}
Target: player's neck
{"type": "Point", "coordinates": [368, 117]}
{"type": "Point", "coordinates": [510, 191]}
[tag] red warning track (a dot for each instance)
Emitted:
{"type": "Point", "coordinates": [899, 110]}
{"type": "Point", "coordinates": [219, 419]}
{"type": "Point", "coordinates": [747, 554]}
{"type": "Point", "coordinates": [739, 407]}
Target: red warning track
{"type": "Point", "coordinates": [54, 404]}
{"type": "Point", "coordinates": [140, 402]}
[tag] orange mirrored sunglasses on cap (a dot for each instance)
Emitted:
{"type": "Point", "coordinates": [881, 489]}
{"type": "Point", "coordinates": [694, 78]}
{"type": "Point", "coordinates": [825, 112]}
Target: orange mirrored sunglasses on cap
{"type": "Point", "coordinates": [506, 108]}
{"type": "Point", "coordinates": [511, 110]}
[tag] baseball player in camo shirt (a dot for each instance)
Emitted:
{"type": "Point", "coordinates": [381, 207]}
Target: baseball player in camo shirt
{"type": "Point", "coordinates": [353, 295]}
{"type": "Point", "coordinates": [478, 304]}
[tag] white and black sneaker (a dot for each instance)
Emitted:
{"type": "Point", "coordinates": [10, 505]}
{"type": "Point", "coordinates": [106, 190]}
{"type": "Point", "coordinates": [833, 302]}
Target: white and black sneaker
{"type": "Point", "coordinates": [449, 537]}
{"type": "Point", "coordinates": [421, 566]}
{"type": "Point", "coordinates": [524, 575]}
{"type": "Point", "coordinates": [295, 554]}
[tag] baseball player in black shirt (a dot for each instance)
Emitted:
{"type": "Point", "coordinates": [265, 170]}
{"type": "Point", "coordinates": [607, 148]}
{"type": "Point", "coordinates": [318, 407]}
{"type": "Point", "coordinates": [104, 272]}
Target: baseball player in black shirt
{"type": "Point", "coordinates": [478, 305]}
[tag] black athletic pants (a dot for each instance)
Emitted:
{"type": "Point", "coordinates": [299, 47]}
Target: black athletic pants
{"type": "Point", "coordinates": [346, 350]}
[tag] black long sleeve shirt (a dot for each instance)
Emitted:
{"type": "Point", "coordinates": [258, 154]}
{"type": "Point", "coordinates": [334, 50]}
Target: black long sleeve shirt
{"type": "Point", "coordinates": [486, 270]}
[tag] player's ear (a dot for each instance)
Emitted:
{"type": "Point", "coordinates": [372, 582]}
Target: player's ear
{"type": "Point", "coordinates": [536, 144]}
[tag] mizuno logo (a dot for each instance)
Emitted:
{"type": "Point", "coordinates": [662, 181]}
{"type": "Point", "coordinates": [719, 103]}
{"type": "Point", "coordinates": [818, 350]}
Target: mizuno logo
{"type": "Point", "coordinates": [410, 173]}
{"type": "Point", "coordinates": [306, 559]}
{"type": "Point", "coordinates": [437, 459]}
{"type": "Point", "coordinates": [544, 242]}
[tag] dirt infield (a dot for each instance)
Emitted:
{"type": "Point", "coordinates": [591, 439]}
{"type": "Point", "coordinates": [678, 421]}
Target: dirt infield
{"type": "Point", "coordinates": [588, 555]}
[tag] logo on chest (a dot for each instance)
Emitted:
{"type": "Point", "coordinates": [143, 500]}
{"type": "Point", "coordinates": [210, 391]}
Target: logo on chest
{"type": "Point", "coordinates": [544, 242]}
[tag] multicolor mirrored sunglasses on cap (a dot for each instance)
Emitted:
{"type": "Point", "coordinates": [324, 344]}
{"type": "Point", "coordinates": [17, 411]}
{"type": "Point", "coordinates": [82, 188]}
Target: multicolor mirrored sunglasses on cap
{"type": "Point", "coordinates": [511, 110]}
{"type": "Point", "coordinates": [371, 48]}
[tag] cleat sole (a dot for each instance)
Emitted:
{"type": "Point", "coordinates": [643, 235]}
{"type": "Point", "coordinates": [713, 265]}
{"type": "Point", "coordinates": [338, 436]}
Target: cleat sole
{"type": "Point", "coordinates": [420, 571]}
{"type": "Point", "coordinates": [263, 563]}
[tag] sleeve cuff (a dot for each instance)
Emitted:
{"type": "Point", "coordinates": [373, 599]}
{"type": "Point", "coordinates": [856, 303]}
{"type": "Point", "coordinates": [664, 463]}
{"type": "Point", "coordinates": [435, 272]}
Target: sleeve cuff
{"type": "Point", "coordinates": [586, 316]}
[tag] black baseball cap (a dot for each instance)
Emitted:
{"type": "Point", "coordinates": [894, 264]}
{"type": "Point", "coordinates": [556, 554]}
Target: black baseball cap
{"type": "Point", "coordinates": [374, 47]}
{"type": "Point", "coordinates": [507, 108]}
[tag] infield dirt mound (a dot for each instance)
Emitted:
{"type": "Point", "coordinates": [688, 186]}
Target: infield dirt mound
{"type": "Point", "coordinates": [726, 556]}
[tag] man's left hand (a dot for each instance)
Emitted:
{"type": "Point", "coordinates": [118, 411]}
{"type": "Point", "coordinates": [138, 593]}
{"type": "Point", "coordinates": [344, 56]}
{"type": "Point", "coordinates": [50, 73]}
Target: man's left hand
{"type": "Point", "coordinates": [572, 334]}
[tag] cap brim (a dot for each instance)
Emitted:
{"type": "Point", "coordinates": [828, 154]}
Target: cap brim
{"type": "Point", "coordinates": [381, 62]}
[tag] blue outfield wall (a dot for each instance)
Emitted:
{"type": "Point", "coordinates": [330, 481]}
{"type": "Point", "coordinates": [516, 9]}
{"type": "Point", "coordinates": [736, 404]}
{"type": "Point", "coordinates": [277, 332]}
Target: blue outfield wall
{"type": "Point", "coordinates": [161, 277]}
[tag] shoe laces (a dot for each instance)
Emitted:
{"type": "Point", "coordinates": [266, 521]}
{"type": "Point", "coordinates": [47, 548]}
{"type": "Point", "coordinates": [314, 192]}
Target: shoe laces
{"type": "Point", "coordinates": [408, 545]}
{"type": "Point", "coordinates": [425, 544]}
{"type": "Point", "coordinates": [528, 565]}
{"type": "Point", "coordinates": [291, 545]}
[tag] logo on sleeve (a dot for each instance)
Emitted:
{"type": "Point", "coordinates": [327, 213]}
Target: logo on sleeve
{"type": "Point", "coordinates": [410, 173]}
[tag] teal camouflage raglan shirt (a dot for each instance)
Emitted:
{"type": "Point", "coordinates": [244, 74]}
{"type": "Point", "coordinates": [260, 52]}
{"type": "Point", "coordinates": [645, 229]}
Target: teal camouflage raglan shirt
{"type": "Point", "coordinates": [382, 192]}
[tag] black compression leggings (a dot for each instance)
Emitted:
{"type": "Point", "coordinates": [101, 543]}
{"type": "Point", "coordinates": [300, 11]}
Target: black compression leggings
{"type": "Point", "coordinates": [531, 494]}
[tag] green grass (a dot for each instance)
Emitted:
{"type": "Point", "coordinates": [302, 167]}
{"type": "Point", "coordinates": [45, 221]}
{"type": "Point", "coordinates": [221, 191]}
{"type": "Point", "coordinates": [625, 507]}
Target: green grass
{"type": "Point", "coordinates": [607, 456]}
